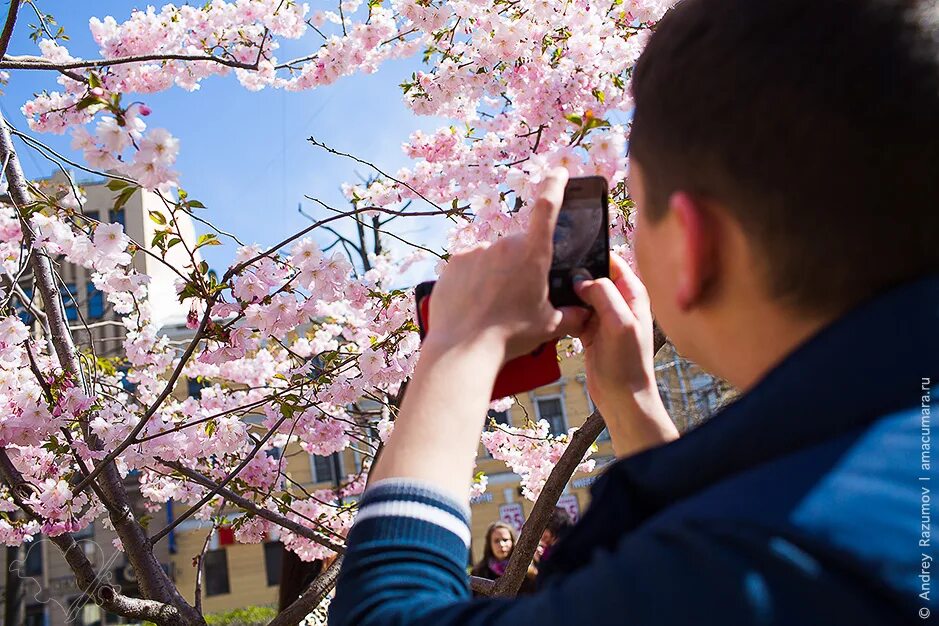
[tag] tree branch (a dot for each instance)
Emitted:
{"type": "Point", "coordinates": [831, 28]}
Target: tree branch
{"type": "Point", "coordinates": [311, 598]}
{"type": "Point", "coordinates": [198, 590]}
{"type": "Point", "coordinates": [320, 144]}
{"type": "Point", "coordinates": [131, 438]}
{"type": "Point", "coordinates": [39, 63]}
{"type": "Point", "coordinates": [482, 586]}
{"type": "Point", "coordinates": [8, 26]}
{"type": "Point", "coordinates": [235, 269]}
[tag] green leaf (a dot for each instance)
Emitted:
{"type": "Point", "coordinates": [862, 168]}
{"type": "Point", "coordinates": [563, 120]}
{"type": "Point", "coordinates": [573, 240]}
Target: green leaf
{"type": "Point", "coordinates": [574, 119]}
{"type": "Point", "coordinates": [159, 238]}
{"type": "Point", "coordinates": [158, 218]}
{"type": "Point", "coordinates": [208, 239]}
{"type": "Point", "coordinates": [88, 101]}
{"type": "Point", "coordinates": [195, 204]}
{"type": "Point", "coordinates": [117, 185]}
{"type": "Point", "coordinates": [204, 267]}
{"type": "Point", "coordinates": [124, 197]}
{"type": "Point", "coordinates": [94, 80]}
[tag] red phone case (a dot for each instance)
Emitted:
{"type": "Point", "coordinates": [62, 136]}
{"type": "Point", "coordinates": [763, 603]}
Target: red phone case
{"type": "Point", "coordinates": [521, 374]}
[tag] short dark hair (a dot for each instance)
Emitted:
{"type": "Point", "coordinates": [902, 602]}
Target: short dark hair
{"type": "Point", "coordinates": [560, 522]}
{"type": "Point", "coordinates": [815, 122]}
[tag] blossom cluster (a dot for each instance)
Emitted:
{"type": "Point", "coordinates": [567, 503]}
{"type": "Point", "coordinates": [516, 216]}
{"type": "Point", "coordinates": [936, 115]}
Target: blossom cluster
{"type": "Point", "coordinates": [532, 452]}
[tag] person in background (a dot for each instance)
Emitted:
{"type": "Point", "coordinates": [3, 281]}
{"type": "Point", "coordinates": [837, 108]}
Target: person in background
{"type": "Point", "coordinates": [557, 528]}
{"type": "Point", "coordinates": [500, 540]}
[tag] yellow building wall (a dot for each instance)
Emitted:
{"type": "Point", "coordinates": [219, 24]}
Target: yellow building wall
{"type": "Point", "coordinates": [246, 576]}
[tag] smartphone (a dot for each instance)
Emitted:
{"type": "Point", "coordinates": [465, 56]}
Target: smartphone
{"type": "Point", "coordinates": [581, 245]}
{"type": "Point", "coordinates": [581, 239]}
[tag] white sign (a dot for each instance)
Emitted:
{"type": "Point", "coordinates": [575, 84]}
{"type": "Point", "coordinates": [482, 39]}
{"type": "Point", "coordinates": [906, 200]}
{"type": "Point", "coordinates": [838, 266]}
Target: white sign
{"type": "Point", "coordinates": [481, 498]}
{"type": "Point", "coordinates": [512, 514]}
{"type": "Point", "coordinates": [569, 503]}
{"type": "Point", "coordinates": [583, 482]}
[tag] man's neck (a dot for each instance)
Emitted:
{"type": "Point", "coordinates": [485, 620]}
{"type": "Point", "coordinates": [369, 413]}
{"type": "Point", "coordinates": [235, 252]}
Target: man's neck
{"type": "Point", "coordinates": [752, 340]}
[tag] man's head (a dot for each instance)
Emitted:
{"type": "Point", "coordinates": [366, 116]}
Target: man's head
{"type": "Point", "coordinates": [558, 526]}
{"type": "Point", "coordinates": [785, 158]}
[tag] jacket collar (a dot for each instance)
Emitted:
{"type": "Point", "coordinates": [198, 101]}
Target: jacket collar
{"type": "Point", "coordinates": [866, 364]}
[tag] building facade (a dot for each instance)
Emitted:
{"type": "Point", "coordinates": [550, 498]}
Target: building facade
{"type": "Point", "coordinates": [51, 597]}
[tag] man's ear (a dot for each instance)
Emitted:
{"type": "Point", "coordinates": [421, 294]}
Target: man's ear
{"type": "Point", "coordinates": [698, 258]}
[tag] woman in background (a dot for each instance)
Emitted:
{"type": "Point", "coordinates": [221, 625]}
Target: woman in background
{"type": "Point", "coordinates": [500, 542]}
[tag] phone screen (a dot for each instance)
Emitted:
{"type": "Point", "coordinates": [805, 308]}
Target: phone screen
{"type": "Point", "coordinates": [581, 239]}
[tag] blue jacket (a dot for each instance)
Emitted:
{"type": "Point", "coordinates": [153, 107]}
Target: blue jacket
{"type": "Point", "coordinates": [807, 501]}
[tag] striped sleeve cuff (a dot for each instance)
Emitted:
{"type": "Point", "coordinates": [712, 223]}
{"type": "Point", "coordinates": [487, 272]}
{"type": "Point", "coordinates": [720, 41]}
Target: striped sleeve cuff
{"type": "Point", "coordinates": [408, 510]}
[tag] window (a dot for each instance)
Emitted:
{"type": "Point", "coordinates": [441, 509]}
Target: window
{"type": "Point", "coordinates": [215, 566]}
{"type": "Point", "coordinates": [128, 386]}
{"type": "Point", "coordinates": [552, 410]}
{"type": "Point", "coordinates": [499, 417]}
{"type": "Point", "coordinates": [86, 532]}
{"type": "Point", "coordinates": [95, 302]}
{"type": "Point", "coordinates": [35, 615]}
{"type": "Point", "coordinates": [194, 387]}
{"type": "Point", "coordinates": [25, 316]}
{"type": "Point", "coordinates": [118, 217]}
{"type": "Point", "coordinates": [68, 299]}
{"type": "Point", "coordinates": [273, 556]}
{"type": "Point", "coordinates": [324, 468]}
{"type": "Point", "coordinates": [32, 566]}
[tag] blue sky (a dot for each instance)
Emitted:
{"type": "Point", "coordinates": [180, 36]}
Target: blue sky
{"type": "Point", "coordinates": [245, 154]}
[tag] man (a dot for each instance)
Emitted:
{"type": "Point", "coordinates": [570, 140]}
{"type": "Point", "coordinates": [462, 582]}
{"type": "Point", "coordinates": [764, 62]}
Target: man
{"type": "Point", "coordinates": [559, 524]}
{"type": "Point", "coordinates": [785, 161]}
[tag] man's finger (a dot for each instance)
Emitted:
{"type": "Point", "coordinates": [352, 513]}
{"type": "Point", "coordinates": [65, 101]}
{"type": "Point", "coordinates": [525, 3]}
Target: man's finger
{"type": "Point", "coordinates": [544, 214]}
{"type": "Point", "coordinates": [589, 330]}
{"type": "Point", "coordinates": [572, 321]}
{"type": "Point", "coordinates": [626, 281]}
{"type": "Point", "coordinates": [605, 298]}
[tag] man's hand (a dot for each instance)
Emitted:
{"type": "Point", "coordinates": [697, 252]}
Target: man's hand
{"type": "Point", "coordinates": [488, 306]}
{"type": "Point", "coordinates": [500, 293]}
{"type": "Point", "coordinates": [618, 353]}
